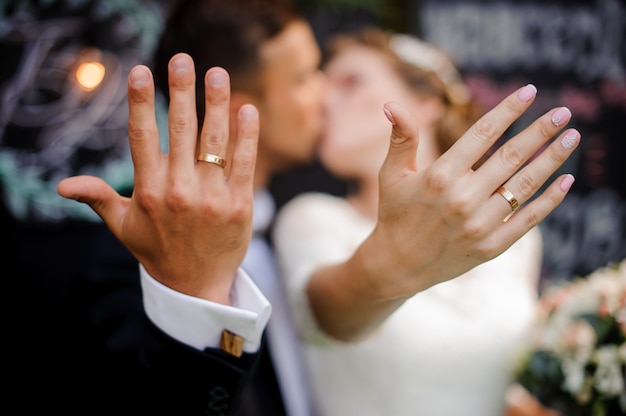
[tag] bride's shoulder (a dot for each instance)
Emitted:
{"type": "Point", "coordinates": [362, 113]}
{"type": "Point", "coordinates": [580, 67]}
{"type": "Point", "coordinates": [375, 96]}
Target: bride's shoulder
{"type": "Point", "coordinates": [312, 212]}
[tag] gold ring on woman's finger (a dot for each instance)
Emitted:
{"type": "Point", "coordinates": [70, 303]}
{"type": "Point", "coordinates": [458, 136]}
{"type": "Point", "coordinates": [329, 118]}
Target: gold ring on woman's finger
{"type": "Point", "coordinates": [510, 198]}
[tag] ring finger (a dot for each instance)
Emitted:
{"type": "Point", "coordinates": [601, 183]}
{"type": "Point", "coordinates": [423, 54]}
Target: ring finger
{"type": "Point", "coordinates": [525, 183]}
{"type": "Point", "coordinates": [215, 130]}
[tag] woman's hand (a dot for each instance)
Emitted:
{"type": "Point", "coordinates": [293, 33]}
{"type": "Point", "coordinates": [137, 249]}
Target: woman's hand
{"type": "Point", "coordinates": [440, 221]}
{"type": "Point", "coordinates": [437, 222]}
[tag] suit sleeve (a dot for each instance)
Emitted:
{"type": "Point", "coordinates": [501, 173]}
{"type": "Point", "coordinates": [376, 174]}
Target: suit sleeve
{"type": "Point", "coordinates": [78, 334]}
{"type": "Point", "coordinates": [180, 360]}
{"type": "Point", "coordinates": [178, 379]}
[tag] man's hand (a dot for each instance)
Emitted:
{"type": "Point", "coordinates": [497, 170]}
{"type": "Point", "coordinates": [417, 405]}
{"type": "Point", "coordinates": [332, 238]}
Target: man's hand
{"type": "Point", "coordinates": [188, 222]}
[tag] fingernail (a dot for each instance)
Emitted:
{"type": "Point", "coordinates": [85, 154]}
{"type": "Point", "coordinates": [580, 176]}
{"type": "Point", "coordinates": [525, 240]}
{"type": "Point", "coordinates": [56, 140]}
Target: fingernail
{"type": "Point", "coordinates": [561, 116]}
{"type": "Point", "coordinates": [527, 93]}
{"type": "Point", "coordinates": [216, 79]}
{"type": "Point", "coordinates": [570, 140]}
{"type": "Point", "coordinates": [73, 197]}
{"type": "Point", "coordinates": [180, 65]}
{"type": "Point", "coordinates": [389, 116]}
{"type": "Point", "coordinates": [248, 112]}
{"type": "Point", "coordinates": [139, 76]}
{"type": "Point", "coordinates": [566, 182]}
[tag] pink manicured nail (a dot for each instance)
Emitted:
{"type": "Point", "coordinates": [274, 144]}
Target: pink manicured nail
{"type": "Point", "coordinates": [570, 140]}
{"type": "Point", "coordinates": [527, 93]}
{"type": "Point", "coordinates": [561, 116]}
{"type": "Point", "coordinates": [566, 182]}
{"type": "Point", "coordinates": [389, 116]}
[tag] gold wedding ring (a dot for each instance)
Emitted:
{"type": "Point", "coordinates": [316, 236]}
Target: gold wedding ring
{"type": "Point", "coordinates": [216, 160]}
{"type": "Point", "coordinates": [508, 195]}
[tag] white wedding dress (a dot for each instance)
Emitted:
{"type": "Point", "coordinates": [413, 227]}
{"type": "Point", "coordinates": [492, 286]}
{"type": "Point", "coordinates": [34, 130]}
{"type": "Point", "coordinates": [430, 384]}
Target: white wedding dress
{"type": "Point", "coordinates": [448, 351]}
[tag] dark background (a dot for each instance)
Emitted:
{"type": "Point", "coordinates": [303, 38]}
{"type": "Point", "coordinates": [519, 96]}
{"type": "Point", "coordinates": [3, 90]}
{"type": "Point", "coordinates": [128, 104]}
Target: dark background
{"type": "Point", "coordinates": [573, 51]}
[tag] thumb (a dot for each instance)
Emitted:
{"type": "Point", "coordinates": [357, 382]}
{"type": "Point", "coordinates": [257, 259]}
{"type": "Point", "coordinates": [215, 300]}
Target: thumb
{"type": "Point", "coordinates": [96, 193]}
{"type": "Point", "coordinates": [401, 156]}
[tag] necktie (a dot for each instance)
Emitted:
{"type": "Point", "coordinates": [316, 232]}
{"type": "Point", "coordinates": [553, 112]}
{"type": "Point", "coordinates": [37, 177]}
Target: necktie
{"type": "Point", "coordinates": [283, 341]}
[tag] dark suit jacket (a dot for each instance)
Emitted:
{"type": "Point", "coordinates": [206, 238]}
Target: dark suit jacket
{"type": "Point", "coordinates": [78, 341]}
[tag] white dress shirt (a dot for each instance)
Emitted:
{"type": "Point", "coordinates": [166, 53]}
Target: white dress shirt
{"type": "Point", "coordinates": [284, 350]}
{"type": "Point", "coordinates": [199, 322]}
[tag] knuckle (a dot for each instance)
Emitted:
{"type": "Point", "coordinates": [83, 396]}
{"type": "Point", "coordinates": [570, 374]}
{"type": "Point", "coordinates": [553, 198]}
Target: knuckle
{"type": "Point", "coordinates": [472, 230]}
{"type": "Point", "coordinates": [212, 140]}
{"type": "Point", "coordinates": [180, 82]}
{"type": "Point", "coordinates": [137, 133]}
{"type": "Point", "coordinates": [545, 130]}
{"type": "Point", "coordinates": [139, 95]}
{"type": "Point", "coordinates": [399, 140]}
{"type": "Point", "coordinates": [217, 96]}
{"type": "Point", "coordinates": [556, 157]}
{"type": "Point", "coordinates": [146, 198]}
{"type": "Point", "coordinates": [437, 179]}
{"type": "Point", "coordinates": [245, 169]}
{"type": "Point", "coordinates": [511, 106]}
{"type": "Point", "coordinates": [240, 213]}
{"type": "Point", "coordinates": [177, 200]}
{"type": "Point", "coordinates": [533, 218]}
{"type": "Point", "coordinates": [526, 185]}
{"type": "Point", "coordinates": [487, 250]}
{"type": "Point", "coordinates": [458, 206]}
{"type": "Point", "coordinates": [511, 156]}
{"type": "Point", "coordinates": [180, 125]}
{"type": "Point", "coordinates": [484, 131]}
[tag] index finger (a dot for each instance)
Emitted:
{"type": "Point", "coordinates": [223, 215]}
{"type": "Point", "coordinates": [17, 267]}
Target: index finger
{"type": "Point", "coordinates": [143, 134]}
{"type": "Point", "coordinates": [473, 145]}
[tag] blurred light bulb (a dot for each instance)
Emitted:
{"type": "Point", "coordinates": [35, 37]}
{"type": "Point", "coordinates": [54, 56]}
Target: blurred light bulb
{"type": "Point", "coordinates": [90, 74]}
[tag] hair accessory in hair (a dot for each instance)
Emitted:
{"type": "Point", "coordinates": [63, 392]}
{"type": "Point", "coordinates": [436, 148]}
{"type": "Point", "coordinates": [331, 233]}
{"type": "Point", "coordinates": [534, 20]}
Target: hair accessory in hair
{"type": "Point", "coordinates": [416, 52]}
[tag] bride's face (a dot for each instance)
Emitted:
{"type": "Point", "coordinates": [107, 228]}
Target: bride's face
{"type": "Point", "coordinates": [356, 137]}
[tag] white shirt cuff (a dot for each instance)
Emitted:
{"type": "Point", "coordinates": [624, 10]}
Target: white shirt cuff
{"type": "Point", "coordinates": [198, 322]}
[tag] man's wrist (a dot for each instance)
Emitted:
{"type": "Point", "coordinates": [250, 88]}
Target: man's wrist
{"type": "Point", "coordinates": [200, 323]}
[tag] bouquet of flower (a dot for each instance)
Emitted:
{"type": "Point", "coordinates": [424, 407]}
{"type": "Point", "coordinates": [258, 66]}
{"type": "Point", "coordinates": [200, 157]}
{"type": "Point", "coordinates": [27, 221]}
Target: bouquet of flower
{"type": "Point", "coordinates": [577, 361]}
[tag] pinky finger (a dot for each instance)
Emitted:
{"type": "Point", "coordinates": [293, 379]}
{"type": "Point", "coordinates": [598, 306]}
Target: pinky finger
{"type": "Point", "coordinates": [245, 149]}
{"type": "Point", "coordinates": [538, 209]}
